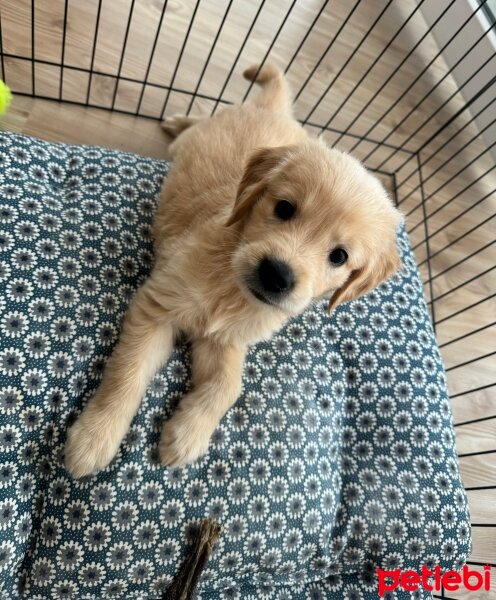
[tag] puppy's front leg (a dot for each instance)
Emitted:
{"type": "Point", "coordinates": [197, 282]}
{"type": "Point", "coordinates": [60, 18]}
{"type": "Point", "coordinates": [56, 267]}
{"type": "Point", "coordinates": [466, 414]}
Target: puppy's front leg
{"type": "Point", "coordinates": [145, 343]}
{"type": "Point", "coordinates": [217, 371]}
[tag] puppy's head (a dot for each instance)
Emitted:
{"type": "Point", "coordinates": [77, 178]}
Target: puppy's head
{"type": "Point", "coordinates": [313, 223]}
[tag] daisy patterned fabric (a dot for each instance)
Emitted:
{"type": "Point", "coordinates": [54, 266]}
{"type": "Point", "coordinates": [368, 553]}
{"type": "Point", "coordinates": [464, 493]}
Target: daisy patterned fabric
{"type": "Point", "coordinates": [338, 457]}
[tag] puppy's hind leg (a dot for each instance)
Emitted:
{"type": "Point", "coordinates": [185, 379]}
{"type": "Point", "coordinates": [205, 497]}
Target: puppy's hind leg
{"type": "Point", "coordinates": [176, 124]}
{"type": "Point", "coordinates": [275, 92]}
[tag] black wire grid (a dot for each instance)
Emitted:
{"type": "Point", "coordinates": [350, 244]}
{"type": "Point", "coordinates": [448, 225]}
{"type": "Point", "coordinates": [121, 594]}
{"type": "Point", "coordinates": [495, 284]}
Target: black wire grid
{"type": "Point", "coordinates": [449, 199]}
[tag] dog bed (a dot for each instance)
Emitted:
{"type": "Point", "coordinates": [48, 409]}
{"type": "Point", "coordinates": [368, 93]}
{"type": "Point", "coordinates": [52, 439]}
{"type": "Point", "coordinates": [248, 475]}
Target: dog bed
{"type": "Point", "coordinates": [338, 458]}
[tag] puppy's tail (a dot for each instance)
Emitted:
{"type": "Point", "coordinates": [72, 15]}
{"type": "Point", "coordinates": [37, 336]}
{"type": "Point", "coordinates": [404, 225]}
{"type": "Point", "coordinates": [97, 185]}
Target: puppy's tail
{"type": "Point", "coordinates": [275, 92]}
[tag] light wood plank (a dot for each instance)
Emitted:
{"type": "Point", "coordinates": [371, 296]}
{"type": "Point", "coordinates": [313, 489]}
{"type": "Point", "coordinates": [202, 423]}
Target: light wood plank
{"type": "Point", "coordinates": [476, 437]}
{"type": "Point", "coordinates": [481, 504]}
{"type": "Point", "coordinates": [478, 471]}
{"type": "Point", "coordinates": [484, 546]}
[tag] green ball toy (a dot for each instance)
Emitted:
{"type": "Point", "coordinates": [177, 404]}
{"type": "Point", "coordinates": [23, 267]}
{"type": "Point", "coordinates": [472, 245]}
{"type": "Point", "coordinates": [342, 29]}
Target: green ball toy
{"type": "Point", "coordinates": [5, 97]}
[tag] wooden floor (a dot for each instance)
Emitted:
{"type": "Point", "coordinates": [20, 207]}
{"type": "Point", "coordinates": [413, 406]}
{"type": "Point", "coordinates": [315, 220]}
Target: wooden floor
{"type": "Point", "coordinates": [56, 122]}
{"type": "Point", "coordinates": [448, 161]}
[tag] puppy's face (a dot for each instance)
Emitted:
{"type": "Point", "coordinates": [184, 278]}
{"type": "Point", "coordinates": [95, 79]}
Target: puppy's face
{"type": "Point", "coordinates": [313, 223]}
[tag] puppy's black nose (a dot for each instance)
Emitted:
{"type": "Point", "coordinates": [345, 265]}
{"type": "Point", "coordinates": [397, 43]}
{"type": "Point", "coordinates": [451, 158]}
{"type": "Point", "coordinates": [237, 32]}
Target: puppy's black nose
{"type": "Point", "coordinates": [275, 276]}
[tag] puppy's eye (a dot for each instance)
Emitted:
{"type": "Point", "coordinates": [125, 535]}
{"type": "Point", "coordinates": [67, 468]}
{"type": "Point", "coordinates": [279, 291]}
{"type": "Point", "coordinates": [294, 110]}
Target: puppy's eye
{"type": "Point", "coordinates": [284, 210]}
{"type": "Point", "coordinates": [338, 257]}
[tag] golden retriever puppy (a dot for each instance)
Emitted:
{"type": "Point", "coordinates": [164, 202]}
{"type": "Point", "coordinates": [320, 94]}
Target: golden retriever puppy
{"type": "Point", "coordinates": [255, 222]}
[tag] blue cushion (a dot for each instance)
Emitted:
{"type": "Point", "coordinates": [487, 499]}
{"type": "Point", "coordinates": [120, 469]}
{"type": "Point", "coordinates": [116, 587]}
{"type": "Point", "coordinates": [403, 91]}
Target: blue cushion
{"type": "Point", "coordinates": [338, 457]}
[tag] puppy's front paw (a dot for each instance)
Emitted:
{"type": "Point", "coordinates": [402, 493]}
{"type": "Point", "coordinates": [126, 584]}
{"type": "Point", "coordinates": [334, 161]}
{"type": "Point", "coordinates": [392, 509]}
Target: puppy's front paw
{"type": "Point", "coordinates": [184, 439]}
{"type": "Point", "coordinates": [87, 450]}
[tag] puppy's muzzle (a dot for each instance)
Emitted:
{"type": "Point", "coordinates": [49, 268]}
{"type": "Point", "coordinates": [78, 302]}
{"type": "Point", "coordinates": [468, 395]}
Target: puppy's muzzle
{"type": "Point", "coordinates": [273, 279]}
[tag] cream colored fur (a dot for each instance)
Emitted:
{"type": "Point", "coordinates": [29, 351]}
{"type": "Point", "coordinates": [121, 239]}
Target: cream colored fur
{"type": "Point", "coordinates": [215, 222]}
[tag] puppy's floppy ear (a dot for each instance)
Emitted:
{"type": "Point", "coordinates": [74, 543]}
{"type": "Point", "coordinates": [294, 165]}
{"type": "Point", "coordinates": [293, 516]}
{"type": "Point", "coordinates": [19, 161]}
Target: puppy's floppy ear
{"type": "Point", "coordinates": [365, 279]}
{"type": "Point", "coordinates": [252, 184]}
